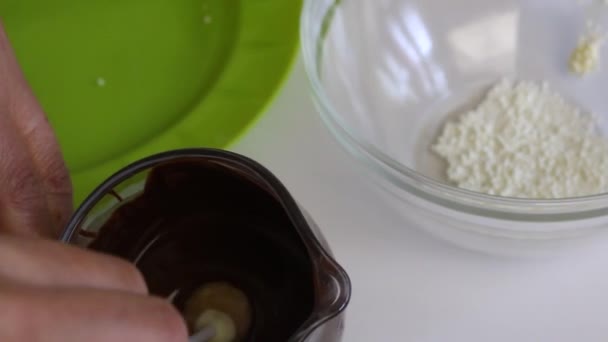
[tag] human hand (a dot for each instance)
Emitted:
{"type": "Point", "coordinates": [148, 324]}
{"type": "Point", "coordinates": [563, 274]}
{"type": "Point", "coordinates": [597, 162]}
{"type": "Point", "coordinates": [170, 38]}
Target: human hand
{"type": "Point", "coordinates": [35, 188]}
{"type": "Point", "coordinates": [57, 293]}
{"type": "Point", "coordinates": [48, 291]}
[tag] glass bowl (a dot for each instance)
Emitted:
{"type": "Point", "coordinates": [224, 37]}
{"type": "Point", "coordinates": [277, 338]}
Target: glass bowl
{"type": "Point", "coordinates": [386, 75]}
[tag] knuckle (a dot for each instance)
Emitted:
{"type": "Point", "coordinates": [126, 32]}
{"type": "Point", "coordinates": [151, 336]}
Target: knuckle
{"type": "Point", "coordinates": [57, 178]}
{"type": "Point", "coordinates": [43, 147]}
{"type": "Point", "coordinates": [30, 118]}
{"type": "Point", "coordinates": [21, 186]}
{"type": "Point", "coordinates": [19, 176]}
{"type": "Point", "coordinates": [54, 173]}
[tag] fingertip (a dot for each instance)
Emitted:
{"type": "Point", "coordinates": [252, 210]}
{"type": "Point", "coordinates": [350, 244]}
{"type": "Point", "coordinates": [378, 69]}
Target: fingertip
{"type": "Point", "coordinates": [133, 279]}
{"type": "Point", "coordinates": [173, 327]}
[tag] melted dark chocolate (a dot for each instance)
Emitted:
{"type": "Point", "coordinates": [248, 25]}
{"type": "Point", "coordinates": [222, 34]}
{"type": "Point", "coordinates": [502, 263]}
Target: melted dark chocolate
{"type": "Point", "coordinates": [201, 222]}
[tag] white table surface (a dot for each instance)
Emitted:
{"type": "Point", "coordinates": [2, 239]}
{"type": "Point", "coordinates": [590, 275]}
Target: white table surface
{"type": "Point", "coordinates": [408, 286]}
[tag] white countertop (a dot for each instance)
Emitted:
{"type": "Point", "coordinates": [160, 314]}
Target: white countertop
{"type": "Point", "coordinates": [408, 286]}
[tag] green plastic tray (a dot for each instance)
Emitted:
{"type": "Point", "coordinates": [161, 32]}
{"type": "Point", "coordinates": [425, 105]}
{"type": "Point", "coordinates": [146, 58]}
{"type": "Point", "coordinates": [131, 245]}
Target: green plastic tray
{"type": "Point", "coordinates": [123, 79]}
